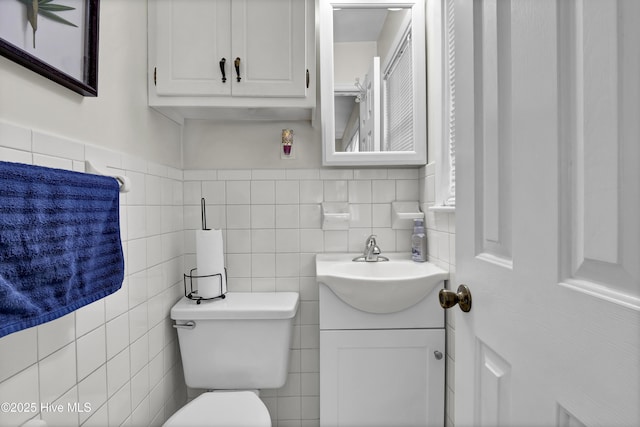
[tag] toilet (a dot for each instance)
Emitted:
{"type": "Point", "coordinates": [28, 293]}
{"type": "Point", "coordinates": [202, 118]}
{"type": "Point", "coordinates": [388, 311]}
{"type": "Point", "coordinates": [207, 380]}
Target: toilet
{"type": "Point", "coordinates": [233, 347]}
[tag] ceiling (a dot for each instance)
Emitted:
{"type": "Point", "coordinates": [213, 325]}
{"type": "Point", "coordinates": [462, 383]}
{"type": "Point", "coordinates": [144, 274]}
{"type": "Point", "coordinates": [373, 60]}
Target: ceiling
{"type": "Point", "coordinates": [358, 25]}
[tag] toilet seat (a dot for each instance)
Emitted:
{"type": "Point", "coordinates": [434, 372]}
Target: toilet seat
{"type": "Point", "coordinates": [222, 409]}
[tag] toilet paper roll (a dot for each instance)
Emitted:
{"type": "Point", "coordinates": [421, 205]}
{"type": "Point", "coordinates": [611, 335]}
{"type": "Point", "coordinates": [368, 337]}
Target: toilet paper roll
{"type": "Point", "coordinates": [210, 260]}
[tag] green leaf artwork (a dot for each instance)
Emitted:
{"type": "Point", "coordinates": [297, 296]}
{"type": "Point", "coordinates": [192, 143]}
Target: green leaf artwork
{"type": "Point", "coordinates": [47, 9]}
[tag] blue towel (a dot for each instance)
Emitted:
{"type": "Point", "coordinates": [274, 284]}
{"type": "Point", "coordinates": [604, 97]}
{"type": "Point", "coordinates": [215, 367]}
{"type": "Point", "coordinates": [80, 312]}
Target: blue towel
{"type": "Point", "coordinates": [60, 243]}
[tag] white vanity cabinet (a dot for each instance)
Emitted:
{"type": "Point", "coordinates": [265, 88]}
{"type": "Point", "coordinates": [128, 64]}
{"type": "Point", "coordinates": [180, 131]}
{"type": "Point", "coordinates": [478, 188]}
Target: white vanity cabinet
{"type": "Point", "coordinates": [381, 369]}
{"type": "Point", "coordinates": [195, 46]}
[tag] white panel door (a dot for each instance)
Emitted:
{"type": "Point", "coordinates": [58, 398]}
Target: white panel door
{"type": "Point", "coordinates": [192, 37]}
{"type": "Point", "coordinates": [269, 38]}
{"type": "Point", "coordinates": [547, 99]}
{"type": "Point", "coordinates": [382, 378]}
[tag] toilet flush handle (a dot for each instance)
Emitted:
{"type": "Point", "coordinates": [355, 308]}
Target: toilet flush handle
{"type": "Point", "coordinates": [189, 325]}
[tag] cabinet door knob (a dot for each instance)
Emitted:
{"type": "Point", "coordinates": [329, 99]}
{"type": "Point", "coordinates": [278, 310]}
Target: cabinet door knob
{"type": "Point", "coordinates": [223, 61]}
{"type": "Point", "coordinates": [236, 63]}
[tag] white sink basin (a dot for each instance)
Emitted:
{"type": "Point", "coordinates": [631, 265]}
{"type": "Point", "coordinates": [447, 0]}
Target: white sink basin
{"type": "Point", "coordinates": [378, 287]}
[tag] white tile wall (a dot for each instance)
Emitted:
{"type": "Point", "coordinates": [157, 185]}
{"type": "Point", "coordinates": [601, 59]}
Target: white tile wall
{"type": "Point", "coordinates": [441, 247]}
{"type": "Point", "coordinates": [273, 230]}
{"type": "Point", "coordinates": [119, 354]}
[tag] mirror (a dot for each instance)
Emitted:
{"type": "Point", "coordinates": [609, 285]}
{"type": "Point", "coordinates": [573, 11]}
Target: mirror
{"type": "Point", "coordinates": [373, 83]}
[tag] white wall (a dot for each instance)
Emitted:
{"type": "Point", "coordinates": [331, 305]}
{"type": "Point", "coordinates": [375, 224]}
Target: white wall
{"type": "Point", "coordinates": [441, 248]}
{"type": "Point", "coordinates": [351, 60]}
{"type": "Point", "coordinates": [269, 211]}
{"type": "Point", "coordinates": [249, 145]}
{"type": "Point", "coordinates": [119, 354]}
{"type": "Point", "coordinates": [118, 118]}
{"type": "Point", "coordinates": [268, 207]}
{"type": "Point", "coordinates": [271, 222]}
{"type": "Point", "coordinates": [390, 33]}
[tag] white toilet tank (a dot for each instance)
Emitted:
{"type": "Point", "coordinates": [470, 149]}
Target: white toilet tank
{"type": "Point", "coordinates": [240, 342]}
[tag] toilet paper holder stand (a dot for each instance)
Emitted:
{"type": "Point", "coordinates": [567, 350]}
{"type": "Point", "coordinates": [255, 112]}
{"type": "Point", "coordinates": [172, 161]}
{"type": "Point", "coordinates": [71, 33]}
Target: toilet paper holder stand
{"type": "Point", "coordinates": [192, 294]}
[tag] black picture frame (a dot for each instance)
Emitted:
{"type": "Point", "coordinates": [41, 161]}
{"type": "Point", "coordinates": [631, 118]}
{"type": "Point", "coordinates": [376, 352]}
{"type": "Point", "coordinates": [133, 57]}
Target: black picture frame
{"type": "Point", "coordinates": [88, 86]}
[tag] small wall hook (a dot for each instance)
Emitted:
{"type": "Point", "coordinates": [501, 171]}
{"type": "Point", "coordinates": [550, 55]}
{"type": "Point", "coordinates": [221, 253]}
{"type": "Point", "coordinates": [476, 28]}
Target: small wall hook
{"type": "Point", "coordinates": [123, 181]}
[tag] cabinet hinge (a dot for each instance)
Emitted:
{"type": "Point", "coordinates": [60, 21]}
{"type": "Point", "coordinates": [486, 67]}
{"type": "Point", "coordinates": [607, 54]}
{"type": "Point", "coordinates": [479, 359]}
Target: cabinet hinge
{"type": "Point", "coordinates": [155, 76]}
{"type": "Point", "coordinates": [307, 78]}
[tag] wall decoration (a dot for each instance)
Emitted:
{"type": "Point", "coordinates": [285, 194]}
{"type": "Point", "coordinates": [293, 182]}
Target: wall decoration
{"type": "Point", "coordinates": [57, 39]}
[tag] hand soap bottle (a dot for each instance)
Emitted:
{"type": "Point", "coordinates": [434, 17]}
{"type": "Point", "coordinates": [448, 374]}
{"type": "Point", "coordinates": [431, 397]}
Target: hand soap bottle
{"type": "Point", "coordinates": [418, 242]}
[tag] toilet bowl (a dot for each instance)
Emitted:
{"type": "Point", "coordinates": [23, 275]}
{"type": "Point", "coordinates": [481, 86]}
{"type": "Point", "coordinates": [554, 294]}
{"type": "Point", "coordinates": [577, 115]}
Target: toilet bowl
{"type": "Point", "coordinates": [237, 344]}
{"type": "Point", "coordinates": [222, 409]}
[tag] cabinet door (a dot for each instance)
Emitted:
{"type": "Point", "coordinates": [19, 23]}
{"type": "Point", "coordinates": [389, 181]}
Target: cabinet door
{"type": "Point", "coordinates": [192, 38]}
{"type": "Point", "coordinates": [382, 378]}
{"type": "Point", "coordinates": [269, 38]}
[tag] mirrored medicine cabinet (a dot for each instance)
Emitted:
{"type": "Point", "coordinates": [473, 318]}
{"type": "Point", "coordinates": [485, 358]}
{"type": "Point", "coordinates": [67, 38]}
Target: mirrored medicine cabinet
{"type": "Point", "coordinates": [373, 82]}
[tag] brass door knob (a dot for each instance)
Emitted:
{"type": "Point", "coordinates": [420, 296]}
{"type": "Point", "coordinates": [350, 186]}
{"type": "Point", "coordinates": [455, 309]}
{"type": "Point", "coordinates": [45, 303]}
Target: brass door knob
{"type": "Point", "coordinates": [449, 298]}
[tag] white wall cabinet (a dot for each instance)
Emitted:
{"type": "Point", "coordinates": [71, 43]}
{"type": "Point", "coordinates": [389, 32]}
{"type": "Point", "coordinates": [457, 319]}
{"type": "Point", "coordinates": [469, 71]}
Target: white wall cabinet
{"type": "Point", "coordinates": [194, 44]}
{"type": "Point", "coordinates": [381, 369]}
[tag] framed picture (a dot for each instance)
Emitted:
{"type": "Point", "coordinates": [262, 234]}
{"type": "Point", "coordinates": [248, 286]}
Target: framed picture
{"type": "Point", "coordinates": [57, 39]}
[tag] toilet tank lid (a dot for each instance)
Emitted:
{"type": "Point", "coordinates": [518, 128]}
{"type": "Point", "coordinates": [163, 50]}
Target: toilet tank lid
{"type": "Point", "coordinates": [239, 305]}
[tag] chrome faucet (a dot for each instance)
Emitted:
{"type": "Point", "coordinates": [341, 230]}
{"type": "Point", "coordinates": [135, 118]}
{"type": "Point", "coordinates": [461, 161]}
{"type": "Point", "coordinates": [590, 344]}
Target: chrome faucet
{"type": "Point", "coordinates": [371, 251]}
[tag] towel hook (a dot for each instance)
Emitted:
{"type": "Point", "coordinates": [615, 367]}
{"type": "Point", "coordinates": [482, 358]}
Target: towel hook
{"type": "Point", "coordinates": [123, 181]}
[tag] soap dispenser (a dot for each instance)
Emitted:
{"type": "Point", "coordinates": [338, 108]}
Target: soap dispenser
{"type": "Point", "coordinates": [418, 242]}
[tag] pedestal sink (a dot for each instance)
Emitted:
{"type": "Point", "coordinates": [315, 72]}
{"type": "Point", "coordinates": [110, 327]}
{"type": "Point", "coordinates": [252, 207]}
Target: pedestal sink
{"type": "Point", "coordinates": [378, 287]}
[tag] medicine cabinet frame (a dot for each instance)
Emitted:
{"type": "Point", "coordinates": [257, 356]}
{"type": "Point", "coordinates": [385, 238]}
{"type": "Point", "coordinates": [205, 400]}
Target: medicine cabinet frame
{"type": "Point", "coordinates": [418, 156]}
